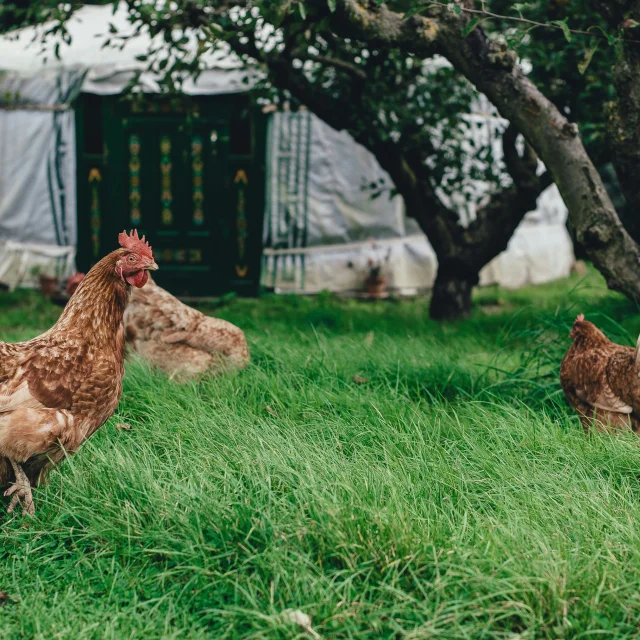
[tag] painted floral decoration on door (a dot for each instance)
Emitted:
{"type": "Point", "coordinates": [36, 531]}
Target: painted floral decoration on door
{"type": "Point", "coordinates": [197, 165]}
{"type": "Point", "coordinates": [95, 178]}
{"type": "Point", "coordinates": [135, 215]}
{"type": "Point", "coordinates": [241, 181]}
{"type": "Point", "coordinates": [165, 171]}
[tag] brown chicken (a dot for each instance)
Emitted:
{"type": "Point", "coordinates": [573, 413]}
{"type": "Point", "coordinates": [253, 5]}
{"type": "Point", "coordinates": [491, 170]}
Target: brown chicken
{"type": "Point", "coordinates": [59, 388]}
{"type": "Point", "coordinates": [178, 339]}
{"type": "Point", "coordinates": [600, 379]}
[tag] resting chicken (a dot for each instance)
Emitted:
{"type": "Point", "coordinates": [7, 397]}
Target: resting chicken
{"type": "Point", "coordinates": [600, 379]}
{"type": "Point", "coordinates": [59, 388]}
{"type": "Point", "coordinates": [176, 338]}
{"type": "Point", "coordinates": [179, 339]}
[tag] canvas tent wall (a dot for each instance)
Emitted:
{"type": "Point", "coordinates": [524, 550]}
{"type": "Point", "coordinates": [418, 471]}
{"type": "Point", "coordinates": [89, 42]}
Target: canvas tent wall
{"type": "Point", "coordinates": [321, 227]}
{"type": "Point", "coordinates": [318, 219]}
{"type": "Point", "coordinates": [38, 211]}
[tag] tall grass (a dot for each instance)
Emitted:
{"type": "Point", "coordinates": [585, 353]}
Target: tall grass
{"type": "Point", "coordinates": [445, 492]}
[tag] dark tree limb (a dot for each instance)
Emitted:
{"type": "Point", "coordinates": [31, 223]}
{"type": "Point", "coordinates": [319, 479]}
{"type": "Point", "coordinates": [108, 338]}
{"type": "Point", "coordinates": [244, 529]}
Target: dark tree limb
{"type": "Point", "coordinates": [351, 69]}
{"type": "Point", "coordinates": [461, 251]}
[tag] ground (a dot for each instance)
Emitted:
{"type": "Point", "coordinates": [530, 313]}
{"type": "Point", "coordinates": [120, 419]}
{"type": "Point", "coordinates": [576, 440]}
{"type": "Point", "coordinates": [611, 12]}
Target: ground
{"type": "Point", "coordinates": [387, 476]}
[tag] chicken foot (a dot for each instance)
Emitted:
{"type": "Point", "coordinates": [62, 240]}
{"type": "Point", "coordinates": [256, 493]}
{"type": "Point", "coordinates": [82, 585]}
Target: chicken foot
{"type": "Point", "coordinates": [20, 491]}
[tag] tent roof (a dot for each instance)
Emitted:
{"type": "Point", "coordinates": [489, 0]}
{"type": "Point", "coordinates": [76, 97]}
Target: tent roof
{"type": "Point", "coordinates": [109, 69]}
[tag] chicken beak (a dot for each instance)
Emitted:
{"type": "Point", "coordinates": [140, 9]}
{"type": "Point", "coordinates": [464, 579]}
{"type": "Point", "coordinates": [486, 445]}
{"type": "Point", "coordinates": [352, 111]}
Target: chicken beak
{"type": "Point", "coordinates": [151, 265]}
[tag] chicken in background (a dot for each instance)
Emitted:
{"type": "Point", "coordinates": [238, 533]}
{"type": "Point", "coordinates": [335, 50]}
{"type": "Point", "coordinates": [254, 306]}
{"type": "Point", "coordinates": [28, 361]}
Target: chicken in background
{"type": "Point", "coordinates": [600, 379]}
{"type": "Point", "coordinates": [176, 338]}
{"type": "Point", "coordinates": [59, 388]}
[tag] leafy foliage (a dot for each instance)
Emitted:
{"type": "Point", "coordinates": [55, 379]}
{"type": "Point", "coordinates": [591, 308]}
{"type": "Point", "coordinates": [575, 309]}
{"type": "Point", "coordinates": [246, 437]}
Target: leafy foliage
{"type": "Point", "coordinates": [381, 96]}
{"type": "Point", "coordinates": [573, 72]}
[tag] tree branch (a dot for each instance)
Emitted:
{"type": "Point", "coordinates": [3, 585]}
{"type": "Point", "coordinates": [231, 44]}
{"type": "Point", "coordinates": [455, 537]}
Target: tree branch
{"type": "Point", "coordinates": [343, 65]}
{"type": "Point", "coordinates": [532, 23]}
{"type": "Point", "coordinates": [492, 68]}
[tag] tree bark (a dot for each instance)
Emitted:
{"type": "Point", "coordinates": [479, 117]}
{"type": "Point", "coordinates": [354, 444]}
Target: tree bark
{"type": "Point", "coordinates": [462, 252]}
{"type": "Point", "coordinates": [624, 114]}
{"type": "Point", "coordinates": [492, 68]}
{"type": "Point", "coordinates": [451, 296]}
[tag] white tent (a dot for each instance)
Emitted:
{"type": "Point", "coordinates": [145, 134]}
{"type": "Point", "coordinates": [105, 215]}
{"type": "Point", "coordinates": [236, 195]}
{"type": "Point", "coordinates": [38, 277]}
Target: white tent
{"type": "Point", "coordinates": [343, 228]}
{"type": "Point", "coordinates": [318, 219]}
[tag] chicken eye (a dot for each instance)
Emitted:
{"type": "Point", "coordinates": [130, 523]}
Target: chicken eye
{"type": "Point", "coordinates": [132, 258]}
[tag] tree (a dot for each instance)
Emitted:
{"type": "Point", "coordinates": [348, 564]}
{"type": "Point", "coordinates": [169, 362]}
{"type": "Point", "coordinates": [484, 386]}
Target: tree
{"type": "Point", "coordinates": [575, 73]}
{"type": "Point", "coordinates": [358, 65]}
{"type": "Point", "coordinates": [411, 116]}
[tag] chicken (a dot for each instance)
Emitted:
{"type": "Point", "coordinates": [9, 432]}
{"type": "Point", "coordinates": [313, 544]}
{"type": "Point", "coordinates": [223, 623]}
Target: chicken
{"type": "Point", "coordinates": [178, 339]}
{"type": "Point", "coordinates": [600, 379]}
{"type": "Point", "coordinates": [59, 388]}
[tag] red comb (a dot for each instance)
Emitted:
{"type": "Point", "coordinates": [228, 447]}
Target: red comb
{"type": "Point", "coordinates": [133, 242]}
{"type": "Point", "coordinates": [580, 318]}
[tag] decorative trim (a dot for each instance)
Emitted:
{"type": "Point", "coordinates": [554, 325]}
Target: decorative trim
{"type": "Point", "coordinates": [166, 197]}
{"type": "Point", "coordinates": [179, 256]}
{"type": "Point", "coordinates": [135, 213]}
{"type": "Point", "coordinates": [241, 182]}
{"type": "Point", "coordinates": [95, 178]}
{"type": "Point", "coordinates": [197, 164]}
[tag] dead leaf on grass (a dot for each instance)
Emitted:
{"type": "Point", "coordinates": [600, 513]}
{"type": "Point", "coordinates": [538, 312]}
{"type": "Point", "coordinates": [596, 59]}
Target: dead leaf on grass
{"type": "Point", "coordinates": [301, 619]}
{"type": "Point", "coordinates": [124, 426]}
{"type": "Point", "coordinates": [271, 411]}
{"type": "Point", "coordinates": [359, 379]}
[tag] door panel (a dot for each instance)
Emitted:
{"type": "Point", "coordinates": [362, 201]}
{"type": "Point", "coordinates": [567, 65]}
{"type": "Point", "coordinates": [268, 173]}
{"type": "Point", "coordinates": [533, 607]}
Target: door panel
{"type": "Point", "coordinates": [189, 174]}
{"type": "Point", "coordinates": [177, 194]}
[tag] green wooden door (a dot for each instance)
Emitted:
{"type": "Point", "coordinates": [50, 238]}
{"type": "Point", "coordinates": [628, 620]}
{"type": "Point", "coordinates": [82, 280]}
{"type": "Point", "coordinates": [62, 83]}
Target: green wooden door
{"type": "Point", "coordinates": [177, 187]}
{"type": "Point", "coordinates": [190, 177]}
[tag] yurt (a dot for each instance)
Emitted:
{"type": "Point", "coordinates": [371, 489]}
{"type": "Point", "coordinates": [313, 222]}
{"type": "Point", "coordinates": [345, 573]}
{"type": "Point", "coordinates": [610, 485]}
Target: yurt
{"type": "Point", "coordinates": [232, 197]}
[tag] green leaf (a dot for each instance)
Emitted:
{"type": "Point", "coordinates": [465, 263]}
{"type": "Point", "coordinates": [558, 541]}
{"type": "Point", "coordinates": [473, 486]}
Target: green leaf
{"type": "Point", "coordinates": [456, 8]}
{"type": "Point", "coordinates": [582, 66]}
{"type": "Point", "coordinates": [611, 39]}
{"type": "Point", "coordinates": [565, 28]}
{"type": "Point", "coordinates": [302, 10]}
{"type": "Point", "coordinates": [332, 5]}
{"type": "Point", "coordinates": [417, 8]}
{"type": "Point", "coordinates": [470, 26]}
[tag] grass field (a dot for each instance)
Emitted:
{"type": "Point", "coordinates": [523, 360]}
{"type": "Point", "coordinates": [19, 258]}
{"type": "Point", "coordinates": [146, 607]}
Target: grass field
{"type": "Point", "coordinates": [449, 493]}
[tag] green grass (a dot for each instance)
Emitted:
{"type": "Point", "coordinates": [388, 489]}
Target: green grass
{"type": "Point", "coordinates": [451, 495]}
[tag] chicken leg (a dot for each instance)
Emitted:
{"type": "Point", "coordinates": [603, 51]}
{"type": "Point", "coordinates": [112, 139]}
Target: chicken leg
{"type": "Point", "coordinates": [20, 491]}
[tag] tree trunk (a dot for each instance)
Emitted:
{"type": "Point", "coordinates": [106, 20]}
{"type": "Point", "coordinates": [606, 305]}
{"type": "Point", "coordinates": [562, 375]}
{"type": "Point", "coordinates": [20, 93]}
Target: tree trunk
{"type": "Point", "coordinates": [451, 296]}
{"type": "Point", "coordinates": [556, 141]}
{"type": "Point", "coordinates": [461, 251]}
{"type": "Point", "coordinates": [492, 67]}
